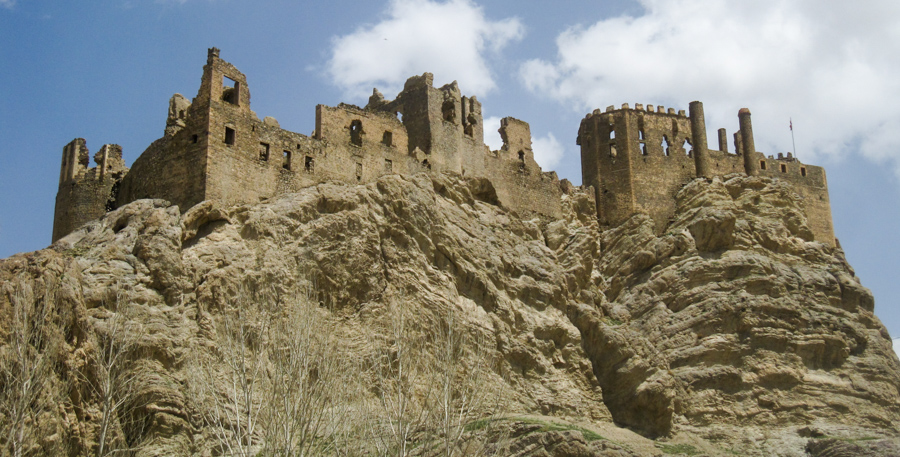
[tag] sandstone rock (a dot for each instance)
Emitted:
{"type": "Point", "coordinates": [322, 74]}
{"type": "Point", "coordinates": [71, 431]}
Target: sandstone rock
{"type": "Point", "coordinates": [729, 320]}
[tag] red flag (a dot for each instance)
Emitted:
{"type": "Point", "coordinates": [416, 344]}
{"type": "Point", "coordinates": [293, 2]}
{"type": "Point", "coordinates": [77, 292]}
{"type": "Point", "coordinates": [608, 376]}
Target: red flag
{"type": "Point", "coordinates": [792, 125]}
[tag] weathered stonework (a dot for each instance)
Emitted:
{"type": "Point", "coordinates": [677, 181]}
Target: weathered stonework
{"type": "Point", "coordinates": [638, 159]}
{"type": "Point", "coordinates": [216, 148]}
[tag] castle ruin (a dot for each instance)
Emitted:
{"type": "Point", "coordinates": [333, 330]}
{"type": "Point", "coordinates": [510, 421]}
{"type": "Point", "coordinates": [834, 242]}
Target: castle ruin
{"type": "Point", "coordinates": [216, 148]}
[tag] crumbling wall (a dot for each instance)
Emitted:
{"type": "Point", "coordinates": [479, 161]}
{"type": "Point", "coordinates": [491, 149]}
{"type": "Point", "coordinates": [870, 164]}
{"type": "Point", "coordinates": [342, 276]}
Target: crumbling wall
{"type": "Point", "coordinates": [84, 193]}
{"type": "Point", "coordinates": [363, 144]}
{"type": "Point", "coordinates": [518, 181]}
{"type": "Point", "coordinates": [810, 183]}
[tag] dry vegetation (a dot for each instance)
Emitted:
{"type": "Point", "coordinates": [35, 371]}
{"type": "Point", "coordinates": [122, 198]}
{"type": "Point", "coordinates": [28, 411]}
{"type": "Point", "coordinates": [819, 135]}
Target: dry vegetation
{"type": "Point", "coordinates": [275, 377]}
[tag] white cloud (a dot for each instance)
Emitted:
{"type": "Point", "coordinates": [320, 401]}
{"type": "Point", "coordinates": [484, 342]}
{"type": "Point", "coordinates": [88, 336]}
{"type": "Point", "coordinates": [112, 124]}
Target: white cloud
{"type": "Point", "coordinates": [8, 4]}
{"type": "Point", "coordinates": [451, 39]}
{"type": "Point", "coordinates": [547, 151]}
{"type": "Point", "coordinates": [830, 65]}
{"type": "Point", "coordinates": [492, 136]}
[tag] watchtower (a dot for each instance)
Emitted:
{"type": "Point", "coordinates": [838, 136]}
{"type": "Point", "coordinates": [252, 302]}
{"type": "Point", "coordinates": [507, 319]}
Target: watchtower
{"type": "Point", "coordinates": [86, 193]}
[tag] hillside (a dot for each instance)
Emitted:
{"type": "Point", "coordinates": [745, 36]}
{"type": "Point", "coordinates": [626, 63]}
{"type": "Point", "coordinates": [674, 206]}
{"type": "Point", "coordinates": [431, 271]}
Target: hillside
{"type": "Point", "coordinates": [430, 318]}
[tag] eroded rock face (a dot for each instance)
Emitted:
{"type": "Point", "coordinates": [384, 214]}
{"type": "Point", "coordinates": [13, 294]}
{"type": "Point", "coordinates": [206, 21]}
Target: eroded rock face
{"type": "Point", "coordinates": [732, 318]}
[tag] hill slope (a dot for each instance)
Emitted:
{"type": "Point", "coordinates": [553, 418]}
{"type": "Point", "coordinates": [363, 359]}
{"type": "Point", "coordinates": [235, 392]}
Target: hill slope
{"type": "Point", "coordinates": [732, 332]}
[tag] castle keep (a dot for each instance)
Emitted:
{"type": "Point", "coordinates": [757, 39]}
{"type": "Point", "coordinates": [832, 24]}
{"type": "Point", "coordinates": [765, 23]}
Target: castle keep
{"type": "Point", "coordinates": [216, 148]}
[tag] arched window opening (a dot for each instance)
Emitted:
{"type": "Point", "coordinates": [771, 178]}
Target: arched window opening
{"type": "Point", "coordinates": [448, 111]}
{"type": "Point", "coordinates": [356, 132]}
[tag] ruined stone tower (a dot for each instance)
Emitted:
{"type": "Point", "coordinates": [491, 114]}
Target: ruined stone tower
{"type": "Point", "coordinates": [86, 193]}
{"type": "Point", "coordinates": [637, 160]}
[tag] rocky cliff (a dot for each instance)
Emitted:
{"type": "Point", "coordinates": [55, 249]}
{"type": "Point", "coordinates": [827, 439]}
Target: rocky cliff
{"type": "Point", "coordinates": [732, 333]}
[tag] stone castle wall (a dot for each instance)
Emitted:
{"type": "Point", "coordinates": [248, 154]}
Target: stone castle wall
{"type": "Point", "coordinates": [638, 159]}
{"type": "Point", "coordinates": [216, 148]}
{"type": "Point", "coordinates": [86, 193]}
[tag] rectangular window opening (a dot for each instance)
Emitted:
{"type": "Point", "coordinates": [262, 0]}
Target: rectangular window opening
{"type": "Point", "coordinates": [231, 90]}
{"type": "Point", "coordinates": [387, 139]}
{"type": "Point", "coordinates": [783, 168]}
{"type": "Point", "coordinates": [286, 160]}
{"type": "Point", "coordinates": [762, 164]}
{"type": "Point", "coordinates": [309, 164]}
{"type": "Point", "coordinates": [264, 151]}
{"type": "Point", "coordinates": [802, 171]}
{"type": "Point", "coordinates": [194, 139]}
{"type": "Point", "coordinates": [229, 136]}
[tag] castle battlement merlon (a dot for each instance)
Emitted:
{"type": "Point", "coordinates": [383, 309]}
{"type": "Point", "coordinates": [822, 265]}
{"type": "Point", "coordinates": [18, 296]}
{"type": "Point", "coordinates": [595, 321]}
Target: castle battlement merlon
{"type": "Point", "coordinates": [214, 147]}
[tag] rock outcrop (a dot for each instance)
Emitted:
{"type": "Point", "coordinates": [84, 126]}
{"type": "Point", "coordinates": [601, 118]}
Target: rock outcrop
{"type": "Point", "coordinates": [733, 328]}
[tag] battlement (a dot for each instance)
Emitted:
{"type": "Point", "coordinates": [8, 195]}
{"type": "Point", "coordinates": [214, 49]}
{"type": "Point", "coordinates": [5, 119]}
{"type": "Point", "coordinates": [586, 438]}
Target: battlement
{"type": "Point", "coordinates": [637, 160]}
{"type": "Point", "coordinates": [214, 147]}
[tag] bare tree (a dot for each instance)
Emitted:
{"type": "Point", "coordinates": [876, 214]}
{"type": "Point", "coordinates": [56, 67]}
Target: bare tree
{"type": "Point", "coordinates": [113, 379]}
{"type": "Point", "coordinates": [402, 384]}
{"type": "Point", "coordinates": [275, 382]}
{"type": "Point", "coordinates": [236, 363]}
{"type": "Point", "coordinates": [28, 397]}
{"type": "Point", "coordinates": [307, 395]}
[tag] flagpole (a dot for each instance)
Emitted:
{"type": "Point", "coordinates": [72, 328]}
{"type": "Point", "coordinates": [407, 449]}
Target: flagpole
{"type": "Point", "coordinates": [792, 138]}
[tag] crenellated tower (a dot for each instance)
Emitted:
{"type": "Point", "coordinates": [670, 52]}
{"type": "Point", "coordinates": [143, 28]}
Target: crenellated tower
{"type": "Point", "coordinates": [638, 159]}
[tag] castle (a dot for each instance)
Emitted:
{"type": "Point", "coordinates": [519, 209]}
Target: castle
{"type": "Point", "coordinates": [216, 148]}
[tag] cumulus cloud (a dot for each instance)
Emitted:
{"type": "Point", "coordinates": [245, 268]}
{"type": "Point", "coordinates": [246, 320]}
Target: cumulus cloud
{"type": "Point", "coordinates": [451, 39]}
{"type": "Point", "coordinates": [829, 65]}
{"type": "Point", "coordinates": [547, 151]}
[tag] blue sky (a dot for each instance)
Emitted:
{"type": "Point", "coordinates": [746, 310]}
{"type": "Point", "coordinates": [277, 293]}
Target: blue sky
{"type": "Point", "coordinates": [104, 70]}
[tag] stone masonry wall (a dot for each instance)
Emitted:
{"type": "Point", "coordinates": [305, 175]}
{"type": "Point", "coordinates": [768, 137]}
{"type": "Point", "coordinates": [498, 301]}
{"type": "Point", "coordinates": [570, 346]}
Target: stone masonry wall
{"type": "Point", "coordinates": [216, 148]}
{"type": "Point", "coordinates": [86, 193]}
{"type": "Point", "coordinates": [638, 159]}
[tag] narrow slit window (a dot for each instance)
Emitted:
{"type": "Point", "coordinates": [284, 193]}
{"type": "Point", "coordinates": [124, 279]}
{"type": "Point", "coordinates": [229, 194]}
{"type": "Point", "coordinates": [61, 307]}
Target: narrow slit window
{"type": "Point", "coordinates": [229, 136]}
{"type": "Point", "coordinates": [264, 151]}
{"type": "Point", "coordinates": [802, 171]}
{"type": "Point", "coordinates": [194, 139]}
{"type": "Point", "coordinates": [286, 160]}
{"type": "Point", "coordinates": [356, 132]}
